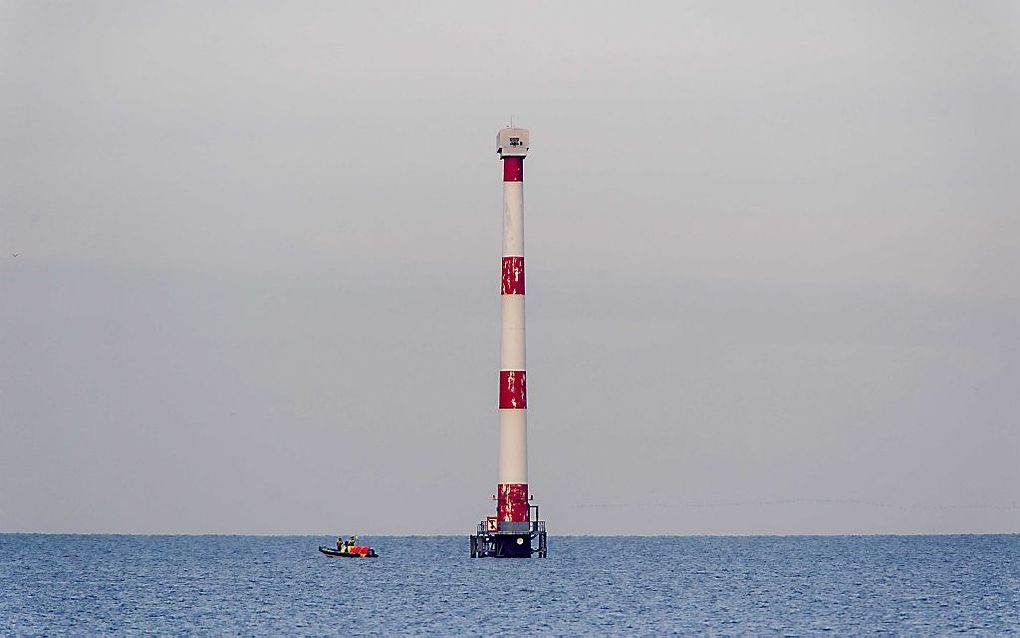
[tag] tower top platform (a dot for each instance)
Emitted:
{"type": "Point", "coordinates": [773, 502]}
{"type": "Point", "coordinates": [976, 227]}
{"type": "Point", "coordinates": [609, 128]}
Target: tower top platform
{"type": "Point", "coordinates": [513, 142]}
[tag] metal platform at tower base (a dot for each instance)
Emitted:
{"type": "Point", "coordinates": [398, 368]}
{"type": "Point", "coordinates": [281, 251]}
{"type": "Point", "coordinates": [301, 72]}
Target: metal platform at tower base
{"type": "Point", "coordinates": [522, 539]}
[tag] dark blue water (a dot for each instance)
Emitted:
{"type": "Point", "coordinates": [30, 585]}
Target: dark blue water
{"type": "Point", "coordinates": [271, 585]}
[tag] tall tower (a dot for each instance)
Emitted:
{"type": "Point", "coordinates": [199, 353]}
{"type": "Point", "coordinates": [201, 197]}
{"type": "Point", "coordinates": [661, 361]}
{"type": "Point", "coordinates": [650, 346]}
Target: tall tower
{"type": "Point", "coordinates": [513, 532]}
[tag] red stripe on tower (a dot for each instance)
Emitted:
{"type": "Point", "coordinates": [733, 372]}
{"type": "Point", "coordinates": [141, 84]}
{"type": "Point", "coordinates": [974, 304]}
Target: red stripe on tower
{"type": "Point", "coordinates": [512, 502]}
{"type": "Point", "coordinates": [513, 276]}
{"type": "Point", "coordinates": [513, 169]}
{"type": "Point", "coordinates": [513, 390]}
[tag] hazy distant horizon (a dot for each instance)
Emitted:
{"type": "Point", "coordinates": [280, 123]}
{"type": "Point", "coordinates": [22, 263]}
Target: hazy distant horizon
{"type": "Point", "coordinates": [385, 535]}
{"type": "Point", "coordinates": [249, 266]}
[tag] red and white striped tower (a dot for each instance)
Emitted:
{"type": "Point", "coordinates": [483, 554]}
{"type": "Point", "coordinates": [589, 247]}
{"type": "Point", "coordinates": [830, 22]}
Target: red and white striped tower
{"type": "Point", "coordinates": [512, 532]}
{"type": "Point", "coordinates": [512, 491]}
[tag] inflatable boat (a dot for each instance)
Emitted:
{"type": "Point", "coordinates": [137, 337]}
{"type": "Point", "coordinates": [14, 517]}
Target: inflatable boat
{"type": "Point", "coordinates": [355, 551]}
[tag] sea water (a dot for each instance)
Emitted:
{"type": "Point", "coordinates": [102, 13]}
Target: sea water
{"type": "Point", "coordinates": [428, 585]}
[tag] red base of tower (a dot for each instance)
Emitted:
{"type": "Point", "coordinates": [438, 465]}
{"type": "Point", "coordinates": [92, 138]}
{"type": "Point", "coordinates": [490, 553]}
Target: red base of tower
{"type": "Point", "coordinates": [512, 502]}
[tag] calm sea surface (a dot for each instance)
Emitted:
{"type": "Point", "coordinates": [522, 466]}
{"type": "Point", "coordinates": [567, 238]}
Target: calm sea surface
{"type": "Point", "coordinates": [640, 585]}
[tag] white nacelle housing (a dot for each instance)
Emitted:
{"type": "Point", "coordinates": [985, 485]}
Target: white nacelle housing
{"type": "Point", "coordinates": [512, 142]}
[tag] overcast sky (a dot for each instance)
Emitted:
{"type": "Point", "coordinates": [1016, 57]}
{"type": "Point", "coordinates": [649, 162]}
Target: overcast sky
{"type": "Point", "coordinates": [773, 265]}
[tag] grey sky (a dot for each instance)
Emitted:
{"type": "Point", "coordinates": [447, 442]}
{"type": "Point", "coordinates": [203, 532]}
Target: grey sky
{"type": "Point", "coordinates": [773, 253]}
